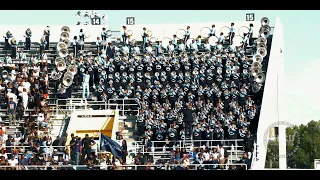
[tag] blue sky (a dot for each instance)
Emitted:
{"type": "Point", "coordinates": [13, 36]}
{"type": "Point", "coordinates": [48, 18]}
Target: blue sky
{"type": "Point", "coordinates": [301, 36]}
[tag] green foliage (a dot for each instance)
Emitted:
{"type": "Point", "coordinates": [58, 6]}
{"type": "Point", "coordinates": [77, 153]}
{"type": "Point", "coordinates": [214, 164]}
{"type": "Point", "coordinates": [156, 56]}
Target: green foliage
{"type": "Point", "coordinates": [302, 147]}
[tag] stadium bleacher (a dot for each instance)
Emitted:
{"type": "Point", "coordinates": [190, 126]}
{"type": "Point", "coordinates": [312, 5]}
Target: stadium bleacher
{"type": "Point", "coordinates": [211, 86]}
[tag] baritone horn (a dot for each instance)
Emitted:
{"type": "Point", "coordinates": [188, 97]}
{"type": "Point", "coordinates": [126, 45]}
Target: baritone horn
{"type": "Point", "coordinates": [65, 29]}
{"type": "Point", "coordinates": [73, 69]}
{"type": "Point", "coordinates": [61, 66]}
{"type": "Point", "coordinates": [67, 80]}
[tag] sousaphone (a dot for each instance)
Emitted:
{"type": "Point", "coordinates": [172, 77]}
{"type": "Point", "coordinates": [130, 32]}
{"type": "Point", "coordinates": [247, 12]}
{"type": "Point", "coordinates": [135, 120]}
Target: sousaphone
{"type": "Point", "coordinates": [61, 66]}
{"type": "Point", "coordinates": [67, 80]}
{"type": "Point", "coordinates": [260, 78]}
{"type": "Point", "coordinates": [58, 59]}
{"type": "Point", "coordinates": [12, 41]}
{"type": "Point", "coordinates": [65, 29]}
{"type": "Point", "coordinates": [63, 52]}
{"type": "Point", "coordinates": [72, 69]}
{"type": "Point", "coordinates": [61, 45]}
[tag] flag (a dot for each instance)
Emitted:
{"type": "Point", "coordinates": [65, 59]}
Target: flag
{"type": "Point", "coordinates": [107, 144]}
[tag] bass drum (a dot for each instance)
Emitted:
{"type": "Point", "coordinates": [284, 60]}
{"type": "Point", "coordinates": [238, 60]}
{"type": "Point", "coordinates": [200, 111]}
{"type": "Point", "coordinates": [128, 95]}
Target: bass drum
{"type": "Point", "coordinates": [213, 40]}
{"type": "Point", "coordinates": [165, 42]}
{"type": "Point", "coordinates": [181, 33]}
{"type": "Point", "coordinates": [204, 32]}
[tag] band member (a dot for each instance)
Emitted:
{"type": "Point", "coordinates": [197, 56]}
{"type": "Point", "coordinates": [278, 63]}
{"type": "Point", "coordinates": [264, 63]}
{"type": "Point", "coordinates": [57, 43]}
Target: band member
{"type": "Point", "coordinates": [85, 85]}
{"type": "Point", "coordinates": [232, 33]}
{"type": "Point", "coordinates": [212, 31]}
{"type": "Point", "coordinates": [110, 51]}
{"type": "Point", "coordinates": [245, 41]}
{"type": "Point", "coordinates": [28, 41]}
{"type": "Point", "coordinates": [144, 36]}
{"type": "Point", "coordinates": [43, 44]}
{"type": "Point", "coordinates": [74, 46]}
{"type": "Point", "coordinates": [47, 36]}
{"type": "Point", "coordinates": [6, 41]}
{"type": "Point", "coordinates": [104, 34]}
{"type": "Point", "coordinates": [250, 33]}
{"type": "Point", "coordinates": [175, 41]}
{"type": "Point", "coordinates": [13, 51]}
{"type": "Point", "coordinates": [99, 44]}
{"type": "Point", "coordinates": [188, 33]}
{"type": "Point", "coordinates": [124, 34]}
{"type": "Point", "coordinates": [170, 46]}
{"type": "Point", "coordinates": [81, 38]}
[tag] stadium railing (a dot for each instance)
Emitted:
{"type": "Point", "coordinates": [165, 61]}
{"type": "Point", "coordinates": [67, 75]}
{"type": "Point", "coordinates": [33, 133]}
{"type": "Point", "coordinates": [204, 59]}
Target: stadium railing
{"type": "Point", "coordinates": [227, 166]}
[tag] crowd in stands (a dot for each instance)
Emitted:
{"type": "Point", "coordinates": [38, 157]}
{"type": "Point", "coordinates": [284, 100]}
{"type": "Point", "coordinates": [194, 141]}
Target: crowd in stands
{"type": "Point", "coordinates": [213, 81]}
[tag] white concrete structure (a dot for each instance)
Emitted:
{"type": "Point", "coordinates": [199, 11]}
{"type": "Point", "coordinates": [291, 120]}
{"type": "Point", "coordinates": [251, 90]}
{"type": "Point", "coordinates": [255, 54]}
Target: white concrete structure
{"type": "Point", "coordinates": [273, 103]}
{"type": "Point", "coordinates": [161, 31]}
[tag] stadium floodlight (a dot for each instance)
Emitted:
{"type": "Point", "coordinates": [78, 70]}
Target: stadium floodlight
{"type": "Point", "coordinates": [78, 15]}
{"type": "Point", "coordinates": [86, 15]}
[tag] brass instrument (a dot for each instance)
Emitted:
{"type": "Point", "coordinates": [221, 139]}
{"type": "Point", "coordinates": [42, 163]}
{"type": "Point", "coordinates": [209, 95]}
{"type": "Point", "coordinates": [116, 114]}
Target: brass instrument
{"type": "Point", "coordinates": [63, 52]}
{"type": "Point", "coordinates": [262, 52]}
{"type": "Point", "coordinates": [28, 32]}
{"type": "Point", "coordinates": [103, 72]}
{"type": "Point", "coordinates": [64, 35]}
{"type": "Point", "coordinates": [67, 80]}
{"type": "Point", "coordinates": [68, 74]}
{"type": "Point", "coordinates": [61, 45]}
{"type": "Point", "coordinates": [72, 69]}
{"type": "Point", "coordinates": [56, 75]}
{"type": "Point", "coordinates": [260, 78]}
{"type": "Point", "coordinates": [256, 87]}
{"type": "Point", "coordinates": [257, 58]}
{"type": "Point", "coordinates": [12, 41]}
{"type": "Point", "coordinates": [256, 64]}
{"type": "Point", "coordinates": [255, 72]}
{"type": "Point", "coordinates": [109, 33]}
{"type": "Point", "coordinates": [58, 59]}
{"type": "Point", "coordinates": [61, 66]}
{"type": "Point", "coordinates": [65, 29]}
{"type": "Point", "coordinates": [67, 42]}
{"type": "Point", "coordinates": [262, 40]}
{"type": "Point", "coordinates": [265, 21]}
{"type": "Point", "coordinates": [129, 33]}
{"type": "Point", "coordinates": [149, 33]}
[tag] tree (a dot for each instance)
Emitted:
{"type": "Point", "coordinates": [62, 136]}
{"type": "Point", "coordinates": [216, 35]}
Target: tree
{"type": "Point", "coordinates": [302, 148]}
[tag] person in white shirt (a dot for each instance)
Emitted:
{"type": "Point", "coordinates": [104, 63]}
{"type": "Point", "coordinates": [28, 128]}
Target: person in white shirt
{"type": "Point", "coordinates": [43, 56]}
{"type": "Point", "coordinates": [125, 50]}
{"type": "Point", "coordinates": [175, 41]}
{"type": "Point", "coordinates": [2, 153]}
{"type": "Point", "coordinates": [181, 47]}
{"type": "Point", "coordinates": [13, 75]}
{"type": "Point", "coordinates": [21, 55]}
{"type": "Point", "coordinates": [7, 59]}
{"type": "Point", "coordinates": [13, 162]}
{"type": "Point", "coordinates": [222, 157]}
{"type": "Point", "coordinates": [221, 38]}
{"type": "Point", "coordinates": [25, 98]}
{"type": "Point", "coordinates": [85, 85]}
{"type": "Point", "coordinates": [194, 46]}
{"type": "Point", "coordinates": [99, 45]}
{"type": "Point", "coordinates": [207, 46]}
{"type": "Point", "coordinates": [149, 49]}
{"type": "Point", "coordinates": [170, 46]}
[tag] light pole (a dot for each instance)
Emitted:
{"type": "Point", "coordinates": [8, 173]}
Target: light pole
{"type": "Point", "coordinates": [91, 19]}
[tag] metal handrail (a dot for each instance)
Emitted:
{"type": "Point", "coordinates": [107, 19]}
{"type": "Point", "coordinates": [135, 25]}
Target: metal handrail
{"type": "Point", "coordinates": [125, 167]}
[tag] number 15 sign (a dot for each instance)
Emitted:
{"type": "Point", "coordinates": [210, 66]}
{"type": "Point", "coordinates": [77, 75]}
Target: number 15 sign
{"type": "Point", "coordinates": [130, 21]}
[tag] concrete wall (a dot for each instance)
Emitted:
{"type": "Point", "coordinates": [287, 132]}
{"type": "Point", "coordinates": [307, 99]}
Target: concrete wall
{"type": "Point", "coordinates": [272, 105]}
